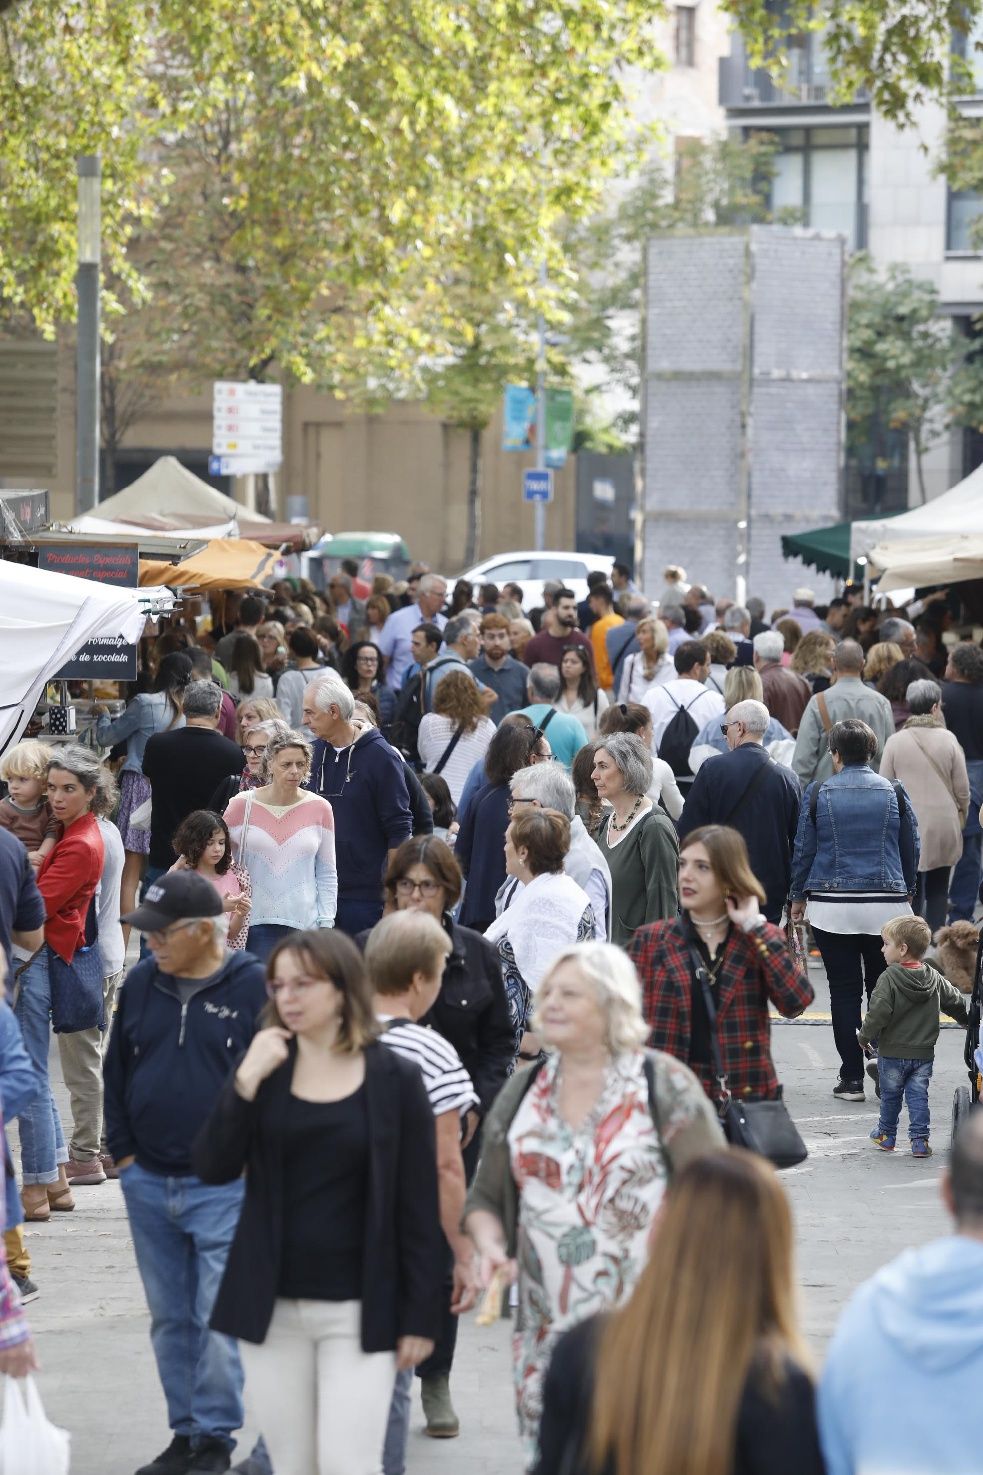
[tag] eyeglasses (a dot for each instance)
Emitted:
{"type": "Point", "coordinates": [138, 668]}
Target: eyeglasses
{"type": "Point", "coordinates": [164, 932]}
{"type": "Point", "coordinates": [513, 804]}
{"type": "Point", "coordinates": [366, 660]}
{"type": "Point", "coordinates": [255, 748]}
{"type": "Point", "coordinates": [293, 985]}
{"type": "Point", "coordinates": [406, 887]}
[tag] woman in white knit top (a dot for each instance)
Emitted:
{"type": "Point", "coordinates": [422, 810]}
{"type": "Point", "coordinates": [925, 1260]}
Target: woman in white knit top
{"type": "Point", "coordinates": [457, 708]}
{"type": "Point", "coordinates": [284, 837]}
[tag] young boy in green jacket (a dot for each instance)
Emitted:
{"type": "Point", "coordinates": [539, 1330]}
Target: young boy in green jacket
{"type": "Point", "coordinates": [903, 1019]}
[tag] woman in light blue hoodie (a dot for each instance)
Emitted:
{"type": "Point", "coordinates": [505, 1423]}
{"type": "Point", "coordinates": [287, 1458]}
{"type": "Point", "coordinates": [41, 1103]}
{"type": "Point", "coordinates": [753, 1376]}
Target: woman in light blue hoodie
{"type": "Point", "coordinates": [900, 1393]}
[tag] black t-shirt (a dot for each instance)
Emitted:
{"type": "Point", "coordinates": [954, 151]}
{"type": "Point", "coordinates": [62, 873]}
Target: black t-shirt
{"type": "Point", "coordinates": [184, 768]}
{"type": "Point", "coordinates": [700, 1052]}
{"type": "Point", "coordinates": [962, 703]}
{"type": "Point", "coordinates": [325, 1187]}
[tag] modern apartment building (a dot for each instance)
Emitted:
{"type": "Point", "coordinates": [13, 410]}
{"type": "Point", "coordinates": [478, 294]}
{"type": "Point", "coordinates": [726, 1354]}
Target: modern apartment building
{"type": "Point", "coordinates": [847, 169]}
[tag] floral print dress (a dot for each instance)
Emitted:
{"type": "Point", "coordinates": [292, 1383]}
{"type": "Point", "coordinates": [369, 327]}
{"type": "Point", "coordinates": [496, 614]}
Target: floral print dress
{"type": "Point", "coordinates": [587, 1196]}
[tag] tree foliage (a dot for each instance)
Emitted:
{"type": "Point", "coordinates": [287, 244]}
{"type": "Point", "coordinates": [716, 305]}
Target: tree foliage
{"type": "Point", "coordinates": [907, 369]}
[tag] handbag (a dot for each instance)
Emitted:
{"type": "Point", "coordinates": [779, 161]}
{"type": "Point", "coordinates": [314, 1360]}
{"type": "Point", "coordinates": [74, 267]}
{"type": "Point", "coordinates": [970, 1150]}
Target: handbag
{"type": "Point", "coordinates": [77, 992]}
{"type": "Point", "coordinates": [140, 817]}
{"type": "Point", "coordinates": [764, 1127]}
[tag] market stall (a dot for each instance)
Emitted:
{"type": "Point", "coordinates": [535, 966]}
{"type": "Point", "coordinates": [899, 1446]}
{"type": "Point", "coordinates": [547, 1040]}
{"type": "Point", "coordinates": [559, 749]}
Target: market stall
{"type": "Point", "coordinates": [957, 511]}
{"type": "Point", "coordinates": [224, 563]}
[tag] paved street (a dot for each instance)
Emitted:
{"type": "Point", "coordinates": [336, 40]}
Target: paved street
{"type": "Point", "coordinates": [855, 1208]}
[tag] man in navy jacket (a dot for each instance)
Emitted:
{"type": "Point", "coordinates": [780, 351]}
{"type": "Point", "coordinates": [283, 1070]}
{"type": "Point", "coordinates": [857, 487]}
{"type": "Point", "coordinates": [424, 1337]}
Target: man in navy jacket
{"type": "Point", "coordinates": [746, 789]}
{"type": "Point", "coordinates": [185, 1016]}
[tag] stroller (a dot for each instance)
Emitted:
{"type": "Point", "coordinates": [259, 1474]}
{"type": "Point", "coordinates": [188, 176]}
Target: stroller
{"type": "Point", "coordinates": [967, 1097]}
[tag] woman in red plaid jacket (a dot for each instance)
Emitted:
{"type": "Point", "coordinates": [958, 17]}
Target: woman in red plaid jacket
{"type": "Point", "coordinates": [746, 960]}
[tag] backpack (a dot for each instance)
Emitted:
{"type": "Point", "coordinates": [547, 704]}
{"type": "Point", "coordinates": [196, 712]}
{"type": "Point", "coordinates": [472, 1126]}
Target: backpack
{"type": "Point", "coordinates": [679, 736]}
{"type": "Point", "coordinates": [409, 713]}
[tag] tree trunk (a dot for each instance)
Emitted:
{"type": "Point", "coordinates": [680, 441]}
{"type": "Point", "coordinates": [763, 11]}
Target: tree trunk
{"type": "Point", "coordinates": [919, 468]}
{"type": "Point", "coordinates": [472, 543]}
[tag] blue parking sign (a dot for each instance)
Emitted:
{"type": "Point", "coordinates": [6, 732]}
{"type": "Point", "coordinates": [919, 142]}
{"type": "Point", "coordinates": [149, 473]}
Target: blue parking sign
{"type": "Point", "coordinates": [537, 486]}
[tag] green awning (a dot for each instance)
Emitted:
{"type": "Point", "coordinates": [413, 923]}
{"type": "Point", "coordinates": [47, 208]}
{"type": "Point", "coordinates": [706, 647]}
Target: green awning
{"type": "Point", "coordinates": [826, 549]}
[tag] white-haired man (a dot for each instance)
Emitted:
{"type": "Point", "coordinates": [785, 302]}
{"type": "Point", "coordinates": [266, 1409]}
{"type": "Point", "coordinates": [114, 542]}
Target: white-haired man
{"type": "Point", "coordinates": [363, 780]}
{"type": "Point", "coordinates": [786, 694]}
{"type": "Point", "coordinates": [746, 789]}
{"type": "Point", "coordinates": [183, 1016]}
{"type": "Point", "coordinates": [397, 633]}
{"type": "Point", "coordinates": [548, 786]}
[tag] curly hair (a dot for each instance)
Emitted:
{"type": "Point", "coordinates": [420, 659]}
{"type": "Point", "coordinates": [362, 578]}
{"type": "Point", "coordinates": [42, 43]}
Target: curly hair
{"type": "Point", "coordinates": [457, 697]}
{"type": "Point", "coordinates": [195, 833]}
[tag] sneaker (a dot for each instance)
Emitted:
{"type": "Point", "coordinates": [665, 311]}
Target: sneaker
{"type": "Point", "coordinates": [849, 1090]}
{"type": "Point", "coordinates": [90, 1172]}
{"type": "Point", "coordinates": [174, 1460]}
{"type": "Point", "coordinates": [875, 1075]}
{"type": "Point", "coordinates": [920, 1148]}
{"type": "Point", "coordinates": [108, 1165]}
{"type": "Point", "coordinates": [884, 1140]}
{"type": "Point", "coordinates": [211, 1457]}
{"type": "Point", "coordinates": [26, 1288]}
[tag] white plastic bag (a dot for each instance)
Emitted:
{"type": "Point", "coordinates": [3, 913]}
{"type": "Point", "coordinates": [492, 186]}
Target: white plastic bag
{"type": "Point", "coordinates": [29, 1444]}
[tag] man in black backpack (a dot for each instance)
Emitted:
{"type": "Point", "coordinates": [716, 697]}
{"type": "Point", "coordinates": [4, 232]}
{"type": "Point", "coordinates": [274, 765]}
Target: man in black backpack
{"type": "Point", "coordinates": [414, 698]}
{"type": "Point", "coordinates": [682, 707]}
{"type": "Point", "coordinates": [746, 789]}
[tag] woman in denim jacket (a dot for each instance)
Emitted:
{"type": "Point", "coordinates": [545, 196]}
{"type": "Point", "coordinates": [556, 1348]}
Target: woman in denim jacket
{"type": "Point", "coordinates": [856, 864]}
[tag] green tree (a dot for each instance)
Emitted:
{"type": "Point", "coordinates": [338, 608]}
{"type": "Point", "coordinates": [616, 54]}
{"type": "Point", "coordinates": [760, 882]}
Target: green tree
{"type": "Point", "coordinates": [901, 360]}
{"type": "Point", "coordinates": [724, 182]}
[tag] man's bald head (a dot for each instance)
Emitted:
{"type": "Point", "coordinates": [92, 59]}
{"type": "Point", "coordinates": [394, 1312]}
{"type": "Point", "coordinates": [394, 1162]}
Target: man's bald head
{"type": "Point", "coordinates": [849, 658]}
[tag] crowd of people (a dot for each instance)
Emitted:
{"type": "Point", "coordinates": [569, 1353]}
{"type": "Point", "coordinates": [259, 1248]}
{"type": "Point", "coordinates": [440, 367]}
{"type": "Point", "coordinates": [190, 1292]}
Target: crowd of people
{"type": "Point", "coordinates": [454, 931]}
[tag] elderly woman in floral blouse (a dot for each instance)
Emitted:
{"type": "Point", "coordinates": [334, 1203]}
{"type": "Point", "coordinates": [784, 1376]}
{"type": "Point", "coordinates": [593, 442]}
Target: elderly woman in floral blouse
{"type": "Point", "coordinates": [578, 1152]}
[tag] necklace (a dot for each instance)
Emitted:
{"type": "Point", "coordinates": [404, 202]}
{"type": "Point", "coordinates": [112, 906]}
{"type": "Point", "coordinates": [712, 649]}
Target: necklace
{"type": "Point", "coordinates": [709, 926]}
{"type": "Point", "coordinates": [619, 829]}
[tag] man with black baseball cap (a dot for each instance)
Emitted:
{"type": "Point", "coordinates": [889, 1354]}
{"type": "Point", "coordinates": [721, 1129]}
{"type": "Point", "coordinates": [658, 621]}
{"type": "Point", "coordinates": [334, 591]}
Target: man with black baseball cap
{"type": "Point", "coordinates": [185, 1016]}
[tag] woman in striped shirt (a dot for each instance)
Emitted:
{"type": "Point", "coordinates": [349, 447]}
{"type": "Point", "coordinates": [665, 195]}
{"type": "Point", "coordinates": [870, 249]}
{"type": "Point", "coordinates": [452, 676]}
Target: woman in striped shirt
{"type": "Point", "coordinates": [456, 734]}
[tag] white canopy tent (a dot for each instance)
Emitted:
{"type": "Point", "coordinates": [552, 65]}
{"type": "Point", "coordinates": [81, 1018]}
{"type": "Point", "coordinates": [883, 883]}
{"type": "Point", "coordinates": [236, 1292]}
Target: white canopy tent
{"type": "Point", "coordinates": [944, 560]}
{"type": "Point", "coordinates": [958, 511]}
{"type": "Point", "coordinates": [45, 619]}
{"type": "Point", "coordinates": [167, 490]}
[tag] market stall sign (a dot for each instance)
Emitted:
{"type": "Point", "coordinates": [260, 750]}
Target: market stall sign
{"type": "Point", "coordinates": [108, 659]}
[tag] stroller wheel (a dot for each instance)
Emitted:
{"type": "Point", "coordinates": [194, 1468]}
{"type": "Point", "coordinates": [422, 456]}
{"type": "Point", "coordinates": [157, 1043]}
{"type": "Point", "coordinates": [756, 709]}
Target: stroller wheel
{"type": "Point", "coordinates": [962, 1105]}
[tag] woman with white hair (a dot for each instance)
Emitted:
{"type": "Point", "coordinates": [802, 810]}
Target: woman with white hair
{"type": "Point", "coordinates": [284, 837]}
{"type": "Point", "coordinates": [636, 837]}
{"type": "Point", "coordinates": [577, 1155]}
{"type": "Point", "coordinates": [928, 760]}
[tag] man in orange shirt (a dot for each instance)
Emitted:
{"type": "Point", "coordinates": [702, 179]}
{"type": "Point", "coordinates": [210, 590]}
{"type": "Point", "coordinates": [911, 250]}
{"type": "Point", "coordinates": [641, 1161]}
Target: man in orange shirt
{"type": "Point", "coordinates": [601, 601]}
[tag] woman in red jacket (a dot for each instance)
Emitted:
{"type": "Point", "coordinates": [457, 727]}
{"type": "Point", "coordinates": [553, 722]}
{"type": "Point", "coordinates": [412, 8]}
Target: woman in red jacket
{"type": "Point", "coordinates": [746, 960]}
{"type": "Point", "coordinates": [79, 787]}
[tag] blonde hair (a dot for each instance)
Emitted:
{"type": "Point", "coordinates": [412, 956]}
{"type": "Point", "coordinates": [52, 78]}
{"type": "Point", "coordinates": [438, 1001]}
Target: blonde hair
{"type": "Point", "coordinates": [266, 710]}
{"type": "Point", "coordinates": [278, 743]}
{"type": "Point", "coordinates": [880, 658]}
{"type": "Point", "coordinates": [28, 759]}
{"type": "Point", "coordinates": [742, 684]}
{"type": "Point", "coordinates": [401, 945]}
{"type": "Point", "coordinates": [716, 1295]}
{"type": "Point", "coordinates": [612, 977]}
{"type": "Point", "coordinates": [914, 933]}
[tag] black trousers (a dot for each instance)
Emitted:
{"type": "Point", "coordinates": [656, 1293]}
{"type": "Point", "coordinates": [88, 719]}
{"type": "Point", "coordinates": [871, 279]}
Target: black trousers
{"type": "Point", "coordinates": [932, 894]}
{"type": "Point", "coordinates": [853, 963]}
{"type": "Point", "coordinates": [441, 1359]}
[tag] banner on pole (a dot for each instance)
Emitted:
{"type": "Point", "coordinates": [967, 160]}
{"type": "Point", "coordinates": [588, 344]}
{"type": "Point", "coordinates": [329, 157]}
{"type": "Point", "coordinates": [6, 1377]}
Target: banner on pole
{"type": "Point", "coordinates": [519, 420]}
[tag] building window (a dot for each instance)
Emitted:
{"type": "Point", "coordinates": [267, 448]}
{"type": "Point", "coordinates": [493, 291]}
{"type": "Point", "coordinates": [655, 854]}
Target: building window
{"type": "Point", "coordinates": [685, 36]}
{"type": "Point", "coordinates": [964, 209]}
{"type": "Point", "coordinates": [968, 49]}
{"type": "Point", "coordinates": [821, 179]}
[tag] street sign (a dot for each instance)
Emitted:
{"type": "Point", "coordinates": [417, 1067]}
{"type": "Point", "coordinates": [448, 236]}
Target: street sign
{"type": "Point", "coordinates": [247, 426]}
{"type": "Point", "coordinates": [242, 465]}
{"type": "Point", "coordinates": [537, 486]}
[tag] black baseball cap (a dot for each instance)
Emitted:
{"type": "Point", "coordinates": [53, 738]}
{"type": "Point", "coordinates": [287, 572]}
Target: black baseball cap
{"type": "Point", "coordinates": [174, 897]}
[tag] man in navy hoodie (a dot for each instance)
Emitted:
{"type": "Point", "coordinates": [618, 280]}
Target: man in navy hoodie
{"type": "Point", "coordinates": [361, 777]}
{"type": "Point", "coordinates": [185, 1015]}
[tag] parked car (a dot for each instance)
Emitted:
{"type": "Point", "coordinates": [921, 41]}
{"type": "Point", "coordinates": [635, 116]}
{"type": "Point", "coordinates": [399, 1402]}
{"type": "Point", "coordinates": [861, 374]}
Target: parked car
{"type": "Point", "coordinates": [530, 570]}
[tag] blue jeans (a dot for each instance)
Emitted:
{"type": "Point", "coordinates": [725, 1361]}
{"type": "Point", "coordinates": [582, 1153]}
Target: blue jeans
{"type": "Point", "coordinates": [398, 1428]}
{"type": "Point", "coordinates": [42, 1142]}
{"type": "Point", "coordinates": [964, 887]}
{"type": "Point", "coordinates": [907, 1078]}
{"type": "Point", "coordinates": [263, 938]}
{"type": "Point", "coordinates": [182, 1229]}
{"type": "Point", "coordinates": [355, 915]}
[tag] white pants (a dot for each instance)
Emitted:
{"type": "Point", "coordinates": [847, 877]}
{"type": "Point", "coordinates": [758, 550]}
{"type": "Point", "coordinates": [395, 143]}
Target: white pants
{"type": "Point", "coordinates": [319, 1401]}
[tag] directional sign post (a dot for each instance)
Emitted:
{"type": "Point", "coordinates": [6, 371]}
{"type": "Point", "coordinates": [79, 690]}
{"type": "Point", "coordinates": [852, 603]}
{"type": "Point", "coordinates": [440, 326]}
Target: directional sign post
{"type": "Point", "coordinates": [537, 485]}
{"type": "Point", "coordinates": [247, 426]}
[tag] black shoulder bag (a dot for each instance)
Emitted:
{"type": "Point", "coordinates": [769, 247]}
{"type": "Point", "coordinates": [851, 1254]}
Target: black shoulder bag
{"type": "Point", "coordinates": [764, 1127]}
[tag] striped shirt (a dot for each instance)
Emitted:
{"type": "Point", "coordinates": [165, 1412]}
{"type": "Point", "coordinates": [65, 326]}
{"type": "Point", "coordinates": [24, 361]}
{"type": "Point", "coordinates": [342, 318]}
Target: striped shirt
{"type": "Point", "coordinates": [447, 1083]}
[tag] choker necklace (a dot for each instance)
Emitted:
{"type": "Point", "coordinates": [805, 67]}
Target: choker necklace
{"type": "Point", "coordinates": [619, 828]}
{"type": "Point", "coordinates": [709, 926]}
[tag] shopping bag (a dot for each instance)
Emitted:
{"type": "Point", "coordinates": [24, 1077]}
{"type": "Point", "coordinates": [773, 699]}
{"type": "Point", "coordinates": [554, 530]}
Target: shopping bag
{"type": "Point", "coordinates": [29, 1444]}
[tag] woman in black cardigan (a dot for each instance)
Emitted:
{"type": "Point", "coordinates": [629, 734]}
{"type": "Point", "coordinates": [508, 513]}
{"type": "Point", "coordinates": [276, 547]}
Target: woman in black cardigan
{"type": "Point", "coordinates": [334, 1276]}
